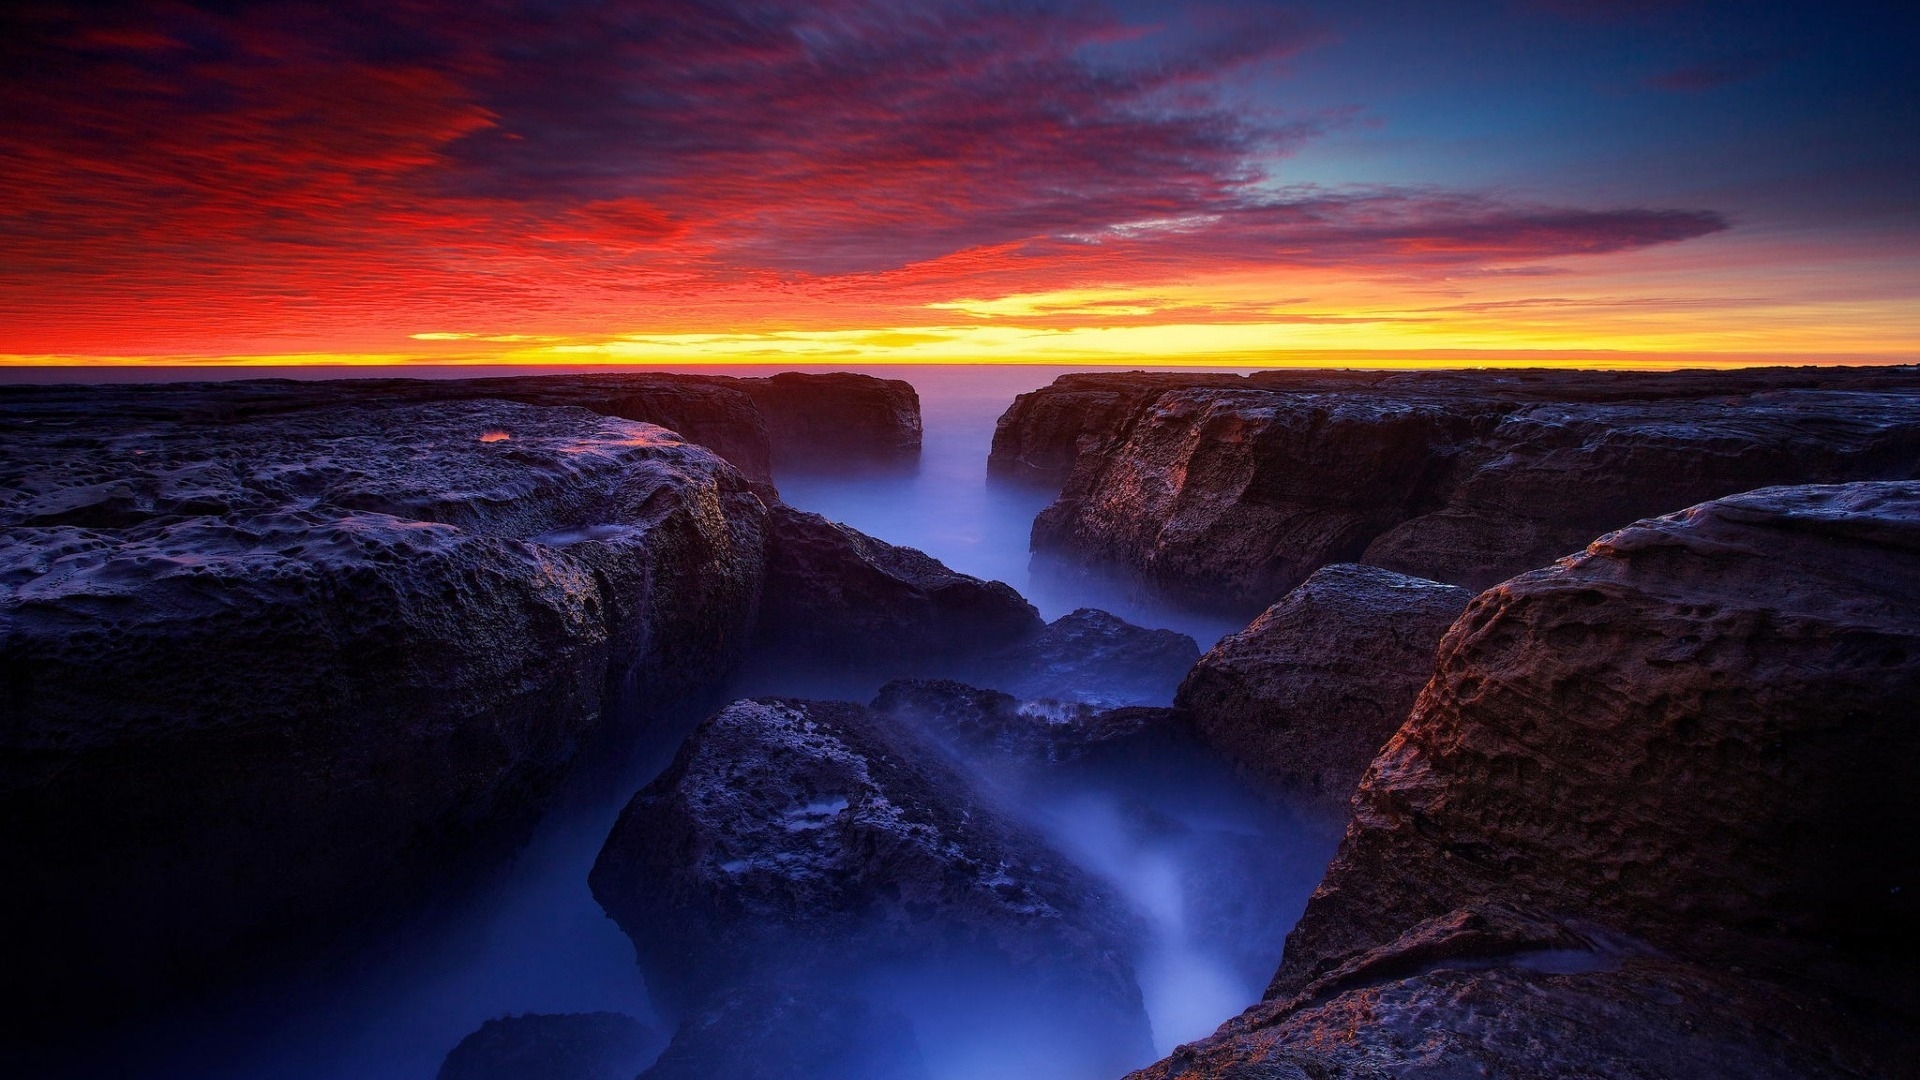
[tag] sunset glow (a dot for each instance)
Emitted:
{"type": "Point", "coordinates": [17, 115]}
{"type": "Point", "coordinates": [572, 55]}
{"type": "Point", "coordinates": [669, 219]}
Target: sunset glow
{"type": "Point", "coordinates": [853, 182]}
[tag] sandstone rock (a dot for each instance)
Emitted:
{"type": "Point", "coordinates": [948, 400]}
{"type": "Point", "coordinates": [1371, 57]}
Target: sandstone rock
{"type": "Point", "coordinates": [838, 419]}
{"type": "Point", "coordinates": [1501, 993]}
{"type": "Point", "coordinates": [792, 418]}
{"type": "Point", "coordinates": [554, 1046]}
{"type": "Point", "coordinates": [836, 596]}
{"type": "Point", "coordinates": [1679, 766]}
{"type": "Point", "coordinates": [1233, 494]}
{"type": "Point", "coordinates": [1698, 732]}
{"type": "Point", "coordinates": [1092, 657]}
{"type": "Point", "coordinates": [783, 1032]}
{"type": "Point", "coordinates": [1307, 694]}
{"type": "Point", "coordinates": [248, 668]}
{"type": "Point", "coordinates": [818, 838]}
{"type": "Point", "coordinates": [992, 722]}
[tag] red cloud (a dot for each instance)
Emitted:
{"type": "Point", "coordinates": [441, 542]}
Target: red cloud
{"type": "Point", "coordinates": [299, 176]}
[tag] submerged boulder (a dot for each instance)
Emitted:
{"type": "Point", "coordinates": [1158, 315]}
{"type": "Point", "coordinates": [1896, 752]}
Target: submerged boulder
{"type": "Point", "coordinates": [993, 722]}
{"type": "Point", "coordinates": [1680, 770]}
{"type": "Point", "coordinates": [817, 838]}
{"type": "Point", "coordinates": [1306, 695]}
{"type": "Point", "coordinates": [1092, 657]}
{"type": "Point", "coordinates": [248, 667]}
{"type": "Point", "coordinates": [554, 1046]}
{"type": "Point", "coordinates": [836, 596]}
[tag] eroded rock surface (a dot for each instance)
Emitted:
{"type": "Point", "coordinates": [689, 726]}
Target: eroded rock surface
{"type": "Point", "coordinates": [1681, 765]}
{"type": "Point", "coordinates": [1233, 493]}
{"type": "Point", "coordinates": [816, 839]}
{"type": "Point", "coordinates": [554, 1046]}
{"type": "Point", "coordinates": [1092, 657]}
{"type": "Point", "coordinates": [1309, 692]}
{"type": "Point", "coordinates": [838, 419]}
{"type": "Point", "coordinates": [793, 418]}
{"type": "Point", "coordinates": [247, 668]}
{"type": "Point", "coordinates": [994, 722]}
{"type": "Point", "coordinates": [837, 596]}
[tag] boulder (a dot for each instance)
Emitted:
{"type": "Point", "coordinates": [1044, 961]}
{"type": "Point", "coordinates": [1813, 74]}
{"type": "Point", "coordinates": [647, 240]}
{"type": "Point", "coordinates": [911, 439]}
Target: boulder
{"type": "Point", "coordinates": [837, 597]}
{"type": "Point", "coordinates": [1503, 993]}
{"type": "Point", "coordinates": [1092, 657]}
{"type": "Point", "coordinates": [816, 840]}
{"type": "Point", "coordinates": [764, 1031]}
{"type": "Point", "coordinates": [247, 668]}
{"type": "Point", "coordinates": [1678, 769]}
{"type": "Point", "coordinates": [998, 724]}
{"type": "Point", "coordinates": [1231, 495]}
{"type": "Point", "coordinates": [1307, 694]}
{"type": "Point", "coordinates": [838, 419]}
{"type": "Point", "coordinates": [554, 1046]}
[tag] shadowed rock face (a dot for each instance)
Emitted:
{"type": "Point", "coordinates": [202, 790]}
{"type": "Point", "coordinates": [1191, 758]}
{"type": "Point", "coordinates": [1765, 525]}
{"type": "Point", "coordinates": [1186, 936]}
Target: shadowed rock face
{"type": "Point", "coordinates": [770, 1032]}
{"type": "Point", "coordinates": [996, 723]}
{"type": "Point", "coordinates": [554, 1046]}
{"type": "Point", "coordinates": [1092, 657]}
{"type": "Point", "coordinates": [836, 596]}
{"type": "Point", "coordinates": [1306, 695]}
{"type": "Point", "coordinates": [839, 419]}
{"type": "Point", "coordinates": [248, 668]}
{"type": "Point", "coordinates": [1697, 734]}
{"type": "Point", "coordinates": [1233, 494]}
{"type": "Point", "coordinates": [813, 839]}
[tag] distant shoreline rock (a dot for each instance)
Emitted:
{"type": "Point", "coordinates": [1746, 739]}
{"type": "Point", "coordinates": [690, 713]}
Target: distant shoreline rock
{"type": "Point", "coordinates": [1229, 491]}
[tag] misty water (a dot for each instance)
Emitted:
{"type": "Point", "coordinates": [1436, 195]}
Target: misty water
{"type": "Point", "coordinates": [1217, 875]}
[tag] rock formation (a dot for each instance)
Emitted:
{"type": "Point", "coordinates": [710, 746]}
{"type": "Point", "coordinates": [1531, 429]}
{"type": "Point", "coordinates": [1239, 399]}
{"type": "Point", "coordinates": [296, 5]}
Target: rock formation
{"type": "Point", "coordinates": [999, 724]}
{"type": "Point", "coordinates": [837, 596]}
{"type": "Point", "coordinates": [839, 419]}
{"type": "Point", "coordinates": [1092, 657]}
{"type": "Point", "coordinates": [801, 841]}
{"type": "Point", "coordinates": [554, 1046]}
{"type": "Point", "coordinates": [1656, 812]}
{"type": "Point", "coordinates": [246, 668]}
{"type": "Point", "coordinates": [1232, 494]}
{"type": "Point", "coordinates": [788, 419]}
{"type": "Point", "coordinates": [1307, 694]}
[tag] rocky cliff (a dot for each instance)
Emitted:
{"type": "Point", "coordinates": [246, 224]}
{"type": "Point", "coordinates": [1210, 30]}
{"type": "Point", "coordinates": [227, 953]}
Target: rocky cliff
{"type": "Point", "coordinates": [1655, 814]}
{"type": "Point", "coordinates": [1231, 492]}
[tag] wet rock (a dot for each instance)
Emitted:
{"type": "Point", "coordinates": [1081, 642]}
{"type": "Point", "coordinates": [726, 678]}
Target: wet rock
{"type": "Point", "coordinates": [1092, 657]}
{"type": "Point", "coordinates": [1697, 732]}
{"type": "Point", "coordinates": [1692, 740]}
{"type": "Point", "coordinates": [1502, 993]}
{"type": "Point", "coordinates": [818, 838]}
{"type": "Point", "coordinates": [247, 668]}
{"type": "Point", "coordinates": [554, 1046]}
{"type": "Point", "coordinates": [997, 723]}
{"type": "Point", "coordinates": [1231, 495]}
{"type": "Point", "coordinates": [784, 1032]}
{"type": "Point", "coordinates": [1307, 694]}
{"type": "Point", "coordinates": [1040, 437]}
{"type": "Point", "coordinates": [838, 597]}
{"type": "Point", "coordinates": [838, 419]}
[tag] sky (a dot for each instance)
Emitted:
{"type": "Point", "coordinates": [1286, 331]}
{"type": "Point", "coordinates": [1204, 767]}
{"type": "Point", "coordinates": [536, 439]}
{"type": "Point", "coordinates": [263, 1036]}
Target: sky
{"type": "Point", "coordinates": [858, 181]}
